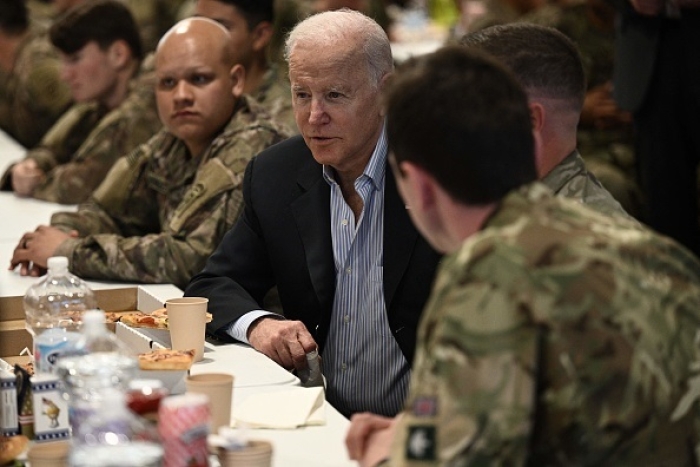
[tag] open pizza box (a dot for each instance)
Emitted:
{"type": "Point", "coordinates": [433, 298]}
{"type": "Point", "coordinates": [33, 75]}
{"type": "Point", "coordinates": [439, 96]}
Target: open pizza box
{"type": "Point", "coordinates": [14, 337]}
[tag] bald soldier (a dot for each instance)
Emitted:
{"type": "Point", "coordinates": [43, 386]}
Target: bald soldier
{"type": "Point", "coordinates": [163, 208]}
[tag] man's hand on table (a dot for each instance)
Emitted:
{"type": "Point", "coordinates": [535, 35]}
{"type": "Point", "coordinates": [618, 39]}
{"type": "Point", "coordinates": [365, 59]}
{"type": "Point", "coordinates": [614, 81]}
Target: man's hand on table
{"type": "Point", "coordinates": [26, 176]}
{"type": "Point", "coordinates": [35, 248]}
{"type": "Point", "coordinates": [286, 342]}
{"type": "Point", "coordinates": [369, 438]}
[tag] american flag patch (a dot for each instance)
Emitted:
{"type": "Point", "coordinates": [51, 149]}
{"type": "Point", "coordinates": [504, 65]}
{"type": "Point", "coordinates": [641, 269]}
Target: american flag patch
{"type": "Point", "coordinates": [425, 407]}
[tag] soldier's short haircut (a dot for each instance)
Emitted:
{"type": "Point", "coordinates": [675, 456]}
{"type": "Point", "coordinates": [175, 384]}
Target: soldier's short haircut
{"type": "Point", "coordinates": [463, 117]}
{"type": "Point", "coordinates": [102, 21]}
{"type": "Point", "coordinates": [545, 61]}
{"type": "Point", "coordinates": [254, 11]}
{"type": "Point", "coordinates": [14, 17]}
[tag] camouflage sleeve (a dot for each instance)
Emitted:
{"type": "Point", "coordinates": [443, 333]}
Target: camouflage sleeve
{"type": "Point", "coordinates": [107, 211]}
{"type": "Point", "coordinates": [180, 247]}
{"type": "Point", "coordinates": [120, 132]}
{"type": "Point", "coordinates": [65, 136]}
{"type": "Point", "coordinates": [473, 384]}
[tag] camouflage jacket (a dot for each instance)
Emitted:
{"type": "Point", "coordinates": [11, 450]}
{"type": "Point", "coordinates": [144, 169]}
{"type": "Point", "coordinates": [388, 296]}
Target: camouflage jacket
{"type": "Point", "coordinates": [571, 179]}
{"type": "Point", "coordinates": [32, 96]}
{"type": "Point", "coordinates": [160, 213]}
{"type": "Point", "coordinates": [557, 336]}
{"type": "Point", "coordinates": [82, 146]}
{"type": "Point", "coordinates": [276, 96]}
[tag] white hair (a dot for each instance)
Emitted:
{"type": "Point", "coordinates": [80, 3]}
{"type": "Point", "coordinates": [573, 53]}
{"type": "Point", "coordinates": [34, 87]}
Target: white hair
{"type": "Point", "coordinates": [345, 25]}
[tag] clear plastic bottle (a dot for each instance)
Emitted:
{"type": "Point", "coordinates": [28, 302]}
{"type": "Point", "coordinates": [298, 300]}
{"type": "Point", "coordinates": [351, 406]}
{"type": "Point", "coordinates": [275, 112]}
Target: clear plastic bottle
{"type": "Point", "coordinates": [115, 437]}
{"type": "Point", "coordinates": [99, 362]}
{"type": "Point", "coordinates": [56, 301]}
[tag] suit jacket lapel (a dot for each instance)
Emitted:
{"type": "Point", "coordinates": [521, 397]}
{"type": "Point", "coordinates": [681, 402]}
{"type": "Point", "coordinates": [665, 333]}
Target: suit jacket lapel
{"type": "Point", "coordinates": [399, 238]}
{"type": "Point", "coordinates": [312, 214]}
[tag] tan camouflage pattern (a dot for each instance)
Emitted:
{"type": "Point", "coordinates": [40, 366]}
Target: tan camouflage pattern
{"type": "Point", "coordinates": [122, 130]}
{"type": "Point", "coordinates": [41, 12]}
{"type": "Point", "coordinates": [275, 95]}
{"type": "Point", "coordinates": [159, 213]}
{"type": "Point", "coordinates": [32, 96]}
{"type": "Point", "coordinates": [571, 179]}
{"type": "Point", "coordinates": [62, 140]}
{"type": "Point", "coordinates": [557, 336]}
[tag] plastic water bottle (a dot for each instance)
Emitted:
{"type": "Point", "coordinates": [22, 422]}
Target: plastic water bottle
{"type": "Point", "coordinates": [99, 362]}
{"type": "Point", "coordinates": [56, 301]}
{"type": "Point", "coordinates": [115, 437]}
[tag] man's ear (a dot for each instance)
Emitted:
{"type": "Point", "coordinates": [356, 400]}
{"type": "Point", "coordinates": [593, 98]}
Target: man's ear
{"type": "Point", "coordinates": [118, 54]}
{"type": "Point", "coordinates": [421, 185]}
{"type": "Point", "coordinates": [262, 35]}
{"type": "Point", "coordinates": [237, 75]}
{"type": "Point", "coordinates": [537, 116]}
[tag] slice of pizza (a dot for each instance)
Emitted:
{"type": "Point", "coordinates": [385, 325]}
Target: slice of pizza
{"type": "Point", "coordinates": [166, 359]}
{"type": "Point", "coordinates": [139, 319]}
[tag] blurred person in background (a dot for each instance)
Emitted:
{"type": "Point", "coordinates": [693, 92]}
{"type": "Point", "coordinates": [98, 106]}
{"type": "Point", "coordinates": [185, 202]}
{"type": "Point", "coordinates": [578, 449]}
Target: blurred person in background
{"type": "Point", "coordinates": [32, 94]}
{"type": "Point", "coordinates": [657, 65]}
{"type": "Point", "coordinates": [101, 54]}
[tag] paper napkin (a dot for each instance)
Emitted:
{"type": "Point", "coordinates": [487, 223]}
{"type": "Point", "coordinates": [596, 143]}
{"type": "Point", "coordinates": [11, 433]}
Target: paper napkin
{"type": "Point", "coordinates": [287, 409]}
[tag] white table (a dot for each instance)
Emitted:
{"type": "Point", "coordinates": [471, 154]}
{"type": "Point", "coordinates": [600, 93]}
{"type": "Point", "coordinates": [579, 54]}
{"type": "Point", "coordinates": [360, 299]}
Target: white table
{"type": "Point", "coordinates": [313, 446]}
{"type": "Point", "coordinates": [321, 446]}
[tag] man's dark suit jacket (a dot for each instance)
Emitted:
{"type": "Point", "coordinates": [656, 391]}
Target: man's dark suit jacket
{"type": "Point", "coordinates": [283, 238]}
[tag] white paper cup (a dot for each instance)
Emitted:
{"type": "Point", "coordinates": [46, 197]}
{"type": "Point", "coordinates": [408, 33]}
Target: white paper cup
{"type": "Point", "coordinates": [218, 387]}
{"type": "Point", "coordinates": [258, 453]}
{"type": "Point", "coordinates": [187, 319]}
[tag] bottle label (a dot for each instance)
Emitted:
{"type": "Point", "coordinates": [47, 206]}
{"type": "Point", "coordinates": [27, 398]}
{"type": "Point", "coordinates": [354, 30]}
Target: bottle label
{"type": "Point", "coordinates": [49, 348]}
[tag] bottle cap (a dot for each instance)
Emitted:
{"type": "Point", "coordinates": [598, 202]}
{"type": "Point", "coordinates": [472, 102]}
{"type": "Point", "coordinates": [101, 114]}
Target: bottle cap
{"type": "Point", "coordinates": [57, 264]}
{"type": "Point", "coordinates": [93, 320]}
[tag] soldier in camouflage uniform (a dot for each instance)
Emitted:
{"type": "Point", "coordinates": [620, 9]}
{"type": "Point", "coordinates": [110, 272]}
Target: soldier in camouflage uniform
{"type": "Point", "coordinates": [250, 24]}
{"type": "Point", "coordinates": [554, 335]}
{"type": "Point", "coordinates": [548, 65]}
{"type": "Point", "coordinates": [605, 133]}
{"type": "Point", "coordinates": [32, 95]}
{"type": "Point", "coordinates": [116, 114]}
{"type": "Point", "coordinates": [162, 209]}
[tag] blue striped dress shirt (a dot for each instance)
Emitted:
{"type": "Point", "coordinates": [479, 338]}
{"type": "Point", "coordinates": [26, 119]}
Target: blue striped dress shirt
{"type": "Point", "coordinates": [363, 364]}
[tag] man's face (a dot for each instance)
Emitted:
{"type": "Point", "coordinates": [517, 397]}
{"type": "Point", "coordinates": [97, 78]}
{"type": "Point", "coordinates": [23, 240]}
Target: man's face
{"type": "Point", "coordinates": [89, 73]}
{"type": "Point", "coordinates": [193, 89]}
{"type": "Point", "coordinates": [229, 16]}
{"type": "Point", "coordinates": [336, 108]}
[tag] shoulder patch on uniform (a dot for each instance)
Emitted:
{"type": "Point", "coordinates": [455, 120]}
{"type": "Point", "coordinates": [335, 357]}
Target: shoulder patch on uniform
{"type": "Point", "coordinates": [420, 443]}
{"type": "Point", "coordinates": [425, 407]}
